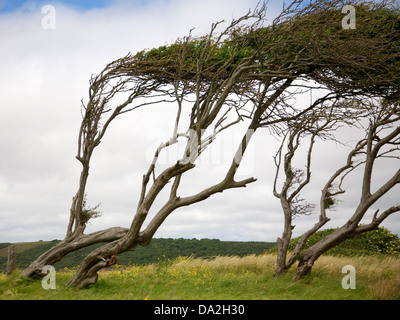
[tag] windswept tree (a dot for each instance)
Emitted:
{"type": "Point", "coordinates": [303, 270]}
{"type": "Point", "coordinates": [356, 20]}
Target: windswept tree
{"type": "Point", "coordinates": [116, 81]}
{"type": "Point", "coordinates": [381, 143]}
{"type": "Point", "coordinates": [241, 73]}
{"type": "Point", "coordinates": [231, 71]}
{"type": "Point", "coordinates": [223, 78]}
{"type": "Point", "coordinates": [205, 74]}
{"type": "Point", "coordinates": [317, 124]}
{"type": "Point", "coordinates": [354, 76]}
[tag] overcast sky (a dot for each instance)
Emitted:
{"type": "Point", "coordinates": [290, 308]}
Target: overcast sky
{"type": "Point", "coordinates": [44, 74]}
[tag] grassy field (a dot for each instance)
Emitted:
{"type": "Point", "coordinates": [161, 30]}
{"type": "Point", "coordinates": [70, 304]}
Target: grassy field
{"type": "Point", "coordinates": [247, 278]}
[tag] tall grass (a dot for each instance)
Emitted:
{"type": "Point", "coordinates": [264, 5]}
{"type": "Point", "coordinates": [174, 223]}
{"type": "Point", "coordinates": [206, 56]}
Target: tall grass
{"type": "Point", "coordinates": [233, 264]}
{"type": "Point", "coordinates": [249, 277]}
{"type": "Point", "coordinates": [382, 274]}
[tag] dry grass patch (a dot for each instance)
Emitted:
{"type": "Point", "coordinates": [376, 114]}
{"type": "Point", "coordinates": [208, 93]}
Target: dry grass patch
{"type": "Point", "coordinates": [233, 264]}
{"type": "Point", "coordinates": [381, 275]}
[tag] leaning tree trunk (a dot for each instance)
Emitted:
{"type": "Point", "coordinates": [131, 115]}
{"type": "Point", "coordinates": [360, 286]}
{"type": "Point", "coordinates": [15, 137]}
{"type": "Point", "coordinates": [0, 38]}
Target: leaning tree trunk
{"type": "Point", "coordinates": [282, 247]}
{"type": "Point", "coordinates": [71, 244]}
{"type": "Point", "coordinates": [311, 254]}
{"type": "Point", "coordinates": [105, 256]}
{"type": "Point", "coordinates": [282, 243]}
{"type": "Point", "coordinates": [100, 258]}
{"type": "Point", "coordinates": [74, 239]}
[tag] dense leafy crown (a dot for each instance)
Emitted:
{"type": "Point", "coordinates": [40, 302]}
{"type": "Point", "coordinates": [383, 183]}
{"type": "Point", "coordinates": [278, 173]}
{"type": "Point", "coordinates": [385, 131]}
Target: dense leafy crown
{"type": "Point", "coordinates": [310, 43]}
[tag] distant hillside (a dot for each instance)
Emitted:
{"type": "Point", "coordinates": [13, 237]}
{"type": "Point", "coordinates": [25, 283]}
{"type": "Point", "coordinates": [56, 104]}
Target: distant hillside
{"type": "Point", "coordinates": [159, 249]}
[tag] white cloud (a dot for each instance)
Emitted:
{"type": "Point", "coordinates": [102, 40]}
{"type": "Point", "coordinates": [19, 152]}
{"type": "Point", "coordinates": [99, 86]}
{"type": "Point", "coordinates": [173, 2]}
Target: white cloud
{"type": "Point", "coordinates": [45, 74]}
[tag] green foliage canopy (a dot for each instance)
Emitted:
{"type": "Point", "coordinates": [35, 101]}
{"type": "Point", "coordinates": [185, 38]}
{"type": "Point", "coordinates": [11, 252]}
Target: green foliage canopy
{"type": "Point", "coordinates": [309, 42]}
{"type": "Point", "coordinates": [377, 242]}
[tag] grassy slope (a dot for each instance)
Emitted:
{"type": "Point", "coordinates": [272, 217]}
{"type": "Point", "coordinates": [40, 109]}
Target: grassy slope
{"type": "Point", "coordinates": [19, 247]}
{"type": "Point", "coordinates": [26, 252]}
{"type": "Point", "coordinates": [249, 277]}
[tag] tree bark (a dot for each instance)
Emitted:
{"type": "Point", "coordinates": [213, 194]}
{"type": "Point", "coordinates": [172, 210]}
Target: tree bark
{"type": "Point", "coordinates": [71, 244]}
{"type": "Point", "coordinates": [311, 254]}
{"type": "Point", "coordinates": [100, 258]}
{"type": "Point", "coordinates": [283, 242]}
{"type": "Point", "coordinates": [282, 246]}
{"type": "Point", "coordinates": [11, 262]}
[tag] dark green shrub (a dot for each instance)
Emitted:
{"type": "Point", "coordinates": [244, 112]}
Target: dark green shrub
{"type": "Point", "coordinates": [380, 241]}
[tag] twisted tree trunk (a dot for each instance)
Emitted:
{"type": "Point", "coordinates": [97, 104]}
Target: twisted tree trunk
{"type": "Point", "coordinates": [311, 254]}
{"type": "Point", "coordinates": [71, 244]}
{"type": "Point", "coordinates": [100, 258]}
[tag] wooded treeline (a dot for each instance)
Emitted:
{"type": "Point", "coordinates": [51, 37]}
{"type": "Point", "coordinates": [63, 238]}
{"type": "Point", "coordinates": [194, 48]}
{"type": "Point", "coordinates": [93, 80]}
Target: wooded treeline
{"type": "Point", "coordinates": [159, 249]}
